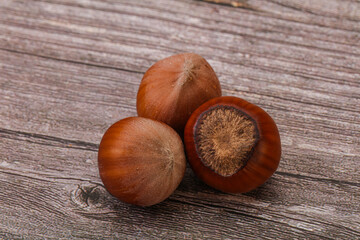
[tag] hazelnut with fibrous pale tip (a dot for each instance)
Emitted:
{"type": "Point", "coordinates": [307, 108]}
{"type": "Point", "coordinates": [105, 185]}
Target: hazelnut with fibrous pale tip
{"type": "Point", "coordinates": [174, 87]}
{"type": "Point", "coordinates": [141, 161]}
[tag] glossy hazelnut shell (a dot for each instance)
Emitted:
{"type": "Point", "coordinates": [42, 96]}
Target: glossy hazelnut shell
{"type": "Point", "coordinates": [174, 87]}
{"type": "Point", "coordinates": [263, 161]}
{"type": "Point", "coordinates": [141, 161]}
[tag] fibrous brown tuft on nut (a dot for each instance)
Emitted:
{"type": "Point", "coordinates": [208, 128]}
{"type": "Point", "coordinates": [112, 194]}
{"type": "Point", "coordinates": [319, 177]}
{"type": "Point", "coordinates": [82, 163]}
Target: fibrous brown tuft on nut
{"type": "Point", "coordinates": [232, 145]}
{"type": "Point", "coordinates": [174, 87]}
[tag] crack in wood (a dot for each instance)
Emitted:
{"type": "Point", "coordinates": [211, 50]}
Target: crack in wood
{"type": "Point", "coordinates": [237, 212]}
{"type": "Point", "coordinates": [72, 61]}
{"type": "Point", "coordinates": [300, 102]}
{"type": "Point", "coordinates": [65, 143]}
{"type": "Point", "coordinates": [45, 177]}
{"type": "Point", "coordinates": [325, 180]}
{"type": "Point", "coordinates": [232, 3]}
{"type": "Point", "coordinates": [300, 8]}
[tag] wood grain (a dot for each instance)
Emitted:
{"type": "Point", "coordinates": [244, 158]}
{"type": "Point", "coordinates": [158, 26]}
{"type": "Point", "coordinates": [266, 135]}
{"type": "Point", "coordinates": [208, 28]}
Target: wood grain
{"type": "Point", "coordinates": [69, 69]}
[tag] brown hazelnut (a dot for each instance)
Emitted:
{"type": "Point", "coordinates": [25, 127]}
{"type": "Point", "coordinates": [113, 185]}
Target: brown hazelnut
{"type": "Point", "coordinates": [174, 87]}
{"type": "Point", "coordinates": [232, 145]}
{"type": "Point", "coordinates": [141, 161]}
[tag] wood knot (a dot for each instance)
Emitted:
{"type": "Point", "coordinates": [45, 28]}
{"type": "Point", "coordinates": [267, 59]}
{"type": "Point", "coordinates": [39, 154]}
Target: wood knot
{"type": "Point", "coordinates": [90, 196]}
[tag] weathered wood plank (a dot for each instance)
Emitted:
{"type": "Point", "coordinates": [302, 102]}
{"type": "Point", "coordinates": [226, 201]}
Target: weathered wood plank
{"type": "Point", "coordinates": [70, 104]}
{"type": "Point", "coordinates": [69, 69]}
{"type": "Point", "coordinates": [60, 16]}
{"type": "Point", "coordinates": [287, 205]}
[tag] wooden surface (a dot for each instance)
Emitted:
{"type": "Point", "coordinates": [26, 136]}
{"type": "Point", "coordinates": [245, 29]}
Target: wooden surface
{"type": "Point", "coordinates": [71, 68]}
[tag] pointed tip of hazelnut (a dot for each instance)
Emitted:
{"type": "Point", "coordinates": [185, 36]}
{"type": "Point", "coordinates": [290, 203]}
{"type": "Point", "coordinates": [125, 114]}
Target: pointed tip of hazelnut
{"type": "Point", "coordinates": [174, 87]}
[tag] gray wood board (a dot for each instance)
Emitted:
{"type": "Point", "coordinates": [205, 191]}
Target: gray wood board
{"type": "Point", "coordinates": [69, 69]}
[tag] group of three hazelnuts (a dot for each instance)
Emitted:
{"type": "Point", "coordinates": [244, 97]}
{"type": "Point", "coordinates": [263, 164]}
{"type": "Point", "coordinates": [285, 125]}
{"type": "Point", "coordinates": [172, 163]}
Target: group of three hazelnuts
{"type": "Point", "coordinates": [232, 145]}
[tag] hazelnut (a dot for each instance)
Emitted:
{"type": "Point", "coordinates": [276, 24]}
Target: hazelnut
{"type": "Point", "coordinates": [141, 161]}
{"type": "Point", "coordinates": [174, 87]}
{"type": "Point", "coordinates": [232, 145]}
